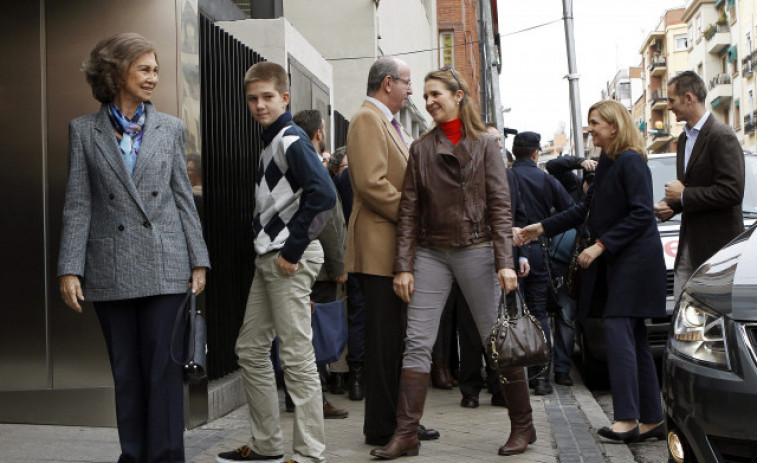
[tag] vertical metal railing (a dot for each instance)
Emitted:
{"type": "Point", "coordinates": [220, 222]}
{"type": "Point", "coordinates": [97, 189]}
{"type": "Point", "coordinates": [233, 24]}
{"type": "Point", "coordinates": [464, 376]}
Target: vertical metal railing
{"type": "Point", "coordinates": [341, 126]}
{"type": "Point", "coordinates": [231, 143]}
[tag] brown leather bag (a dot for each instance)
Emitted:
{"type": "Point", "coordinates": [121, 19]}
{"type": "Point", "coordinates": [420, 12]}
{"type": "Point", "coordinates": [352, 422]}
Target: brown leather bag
{"type": "Point", "coordinates": [517, 339]}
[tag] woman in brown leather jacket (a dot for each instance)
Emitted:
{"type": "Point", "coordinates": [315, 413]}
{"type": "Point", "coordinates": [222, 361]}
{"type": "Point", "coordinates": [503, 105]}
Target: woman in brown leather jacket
{"type": "Point", "coordinates": [454, 225]}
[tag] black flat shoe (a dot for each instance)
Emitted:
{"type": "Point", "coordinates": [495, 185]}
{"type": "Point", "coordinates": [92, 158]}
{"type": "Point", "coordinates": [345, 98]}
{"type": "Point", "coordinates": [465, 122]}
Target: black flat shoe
{"type": "Point", "coordinates": [628, 436]}
{"type": "Point", "coordinates": [658, 432]}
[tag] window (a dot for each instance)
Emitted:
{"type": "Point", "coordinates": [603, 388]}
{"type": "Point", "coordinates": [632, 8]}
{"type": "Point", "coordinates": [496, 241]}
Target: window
{"type": "Point", "coordinates": [700, 70]}
{"type": "Point", "coordinates": [698, 30]}
{"type": "Point", "coordinates": [736, 115]}
{"type": "Point", "coordinates": [681, 42]}
{"type": "Point", "coordinates": [691, 34]}
{"type": "Point", "coordinates": [748, 43]}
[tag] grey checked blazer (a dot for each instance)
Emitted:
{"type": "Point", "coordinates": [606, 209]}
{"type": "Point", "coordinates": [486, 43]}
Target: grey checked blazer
{"type": "Point", "coordinates": [129, 236]}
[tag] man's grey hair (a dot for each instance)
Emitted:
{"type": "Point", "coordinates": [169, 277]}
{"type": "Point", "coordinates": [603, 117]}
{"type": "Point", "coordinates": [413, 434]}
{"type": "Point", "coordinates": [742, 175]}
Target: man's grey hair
{"type": "Point", "coordinates": [384, 66]}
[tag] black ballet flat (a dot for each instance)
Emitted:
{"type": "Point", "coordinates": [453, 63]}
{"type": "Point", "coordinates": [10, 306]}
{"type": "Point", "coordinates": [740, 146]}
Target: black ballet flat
{"type": "Point", "coordinates": [628, 436]}
{"type": "Point", "coordinates": [658, 432]}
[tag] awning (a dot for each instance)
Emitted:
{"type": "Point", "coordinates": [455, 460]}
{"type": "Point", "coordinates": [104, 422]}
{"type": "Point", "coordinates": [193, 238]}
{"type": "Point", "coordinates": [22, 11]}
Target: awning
{"type": "Point", "coordinates": [732, 54]}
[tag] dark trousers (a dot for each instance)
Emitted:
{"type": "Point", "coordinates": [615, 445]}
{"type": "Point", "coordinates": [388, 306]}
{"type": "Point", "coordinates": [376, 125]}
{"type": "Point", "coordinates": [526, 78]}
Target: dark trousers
{"type": "Point", "coordinates": [355, 321]}
{"type": "Point", "coordinates": [633, 378]}
{"type": "Point", "coordinates": [148, 385]}
{"type": "Point", "coordinates": [385, 320]}
{"type": "Point", "coordinates": [535, 292]}
{"type": "Point", "coordinates": [470, 380]}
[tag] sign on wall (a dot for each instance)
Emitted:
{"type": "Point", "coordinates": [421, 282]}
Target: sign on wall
{"type": "Point", "coordinates": [447, 49]}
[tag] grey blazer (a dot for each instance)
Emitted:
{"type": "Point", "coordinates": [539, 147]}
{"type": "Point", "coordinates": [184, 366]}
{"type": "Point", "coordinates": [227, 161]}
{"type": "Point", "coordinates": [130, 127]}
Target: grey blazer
{"type": "Point", "coordinates": [129, 236]}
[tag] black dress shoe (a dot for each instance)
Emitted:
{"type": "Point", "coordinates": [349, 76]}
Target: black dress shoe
{"type": "Point", "coordinates": [355, 383]}
{"type": "Point", "coordinates": [658, 432]}
{"type": "Point", "coordinates": [377, 441]}
{"type": "Point", "coordinates": [427, 434]}
{"type": "Point", "coordinates": [469, 401]}
{"type": "Point", "coordinates": [628, 436]}
{"type": "Point", "coordinates": [336, 383]}
{"type": "Point", "coordinates": [563, 378]}
{"type": "Point", "coordinates": [543, 386]}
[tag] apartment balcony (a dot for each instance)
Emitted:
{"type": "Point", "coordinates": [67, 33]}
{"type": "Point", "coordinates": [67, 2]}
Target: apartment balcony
{"type": "Point", "coordinates": [659, 100]}
{"type": "Point", "coordinates": [658, 67]}
{"type": "Point", "coordinates": [658, 138]}
{"type": "Point", "coordinates": [721, 91]}
{"type": "Point", "coordinates": [718, 38]}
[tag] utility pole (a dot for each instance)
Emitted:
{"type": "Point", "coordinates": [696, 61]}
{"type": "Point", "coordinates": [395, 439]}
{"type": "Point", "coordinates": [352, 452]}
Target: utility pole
{"type": "Point", "coordinates": [492, 61]}
{"type": "Point", "coordinates": [575, 100]}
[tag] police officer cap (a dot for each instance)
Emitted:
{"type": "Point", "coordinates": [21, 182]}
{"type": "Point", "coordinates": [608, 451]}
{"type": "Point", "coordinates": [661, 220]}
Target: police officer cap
{"type": "Point", "coordinates": [527, 140]}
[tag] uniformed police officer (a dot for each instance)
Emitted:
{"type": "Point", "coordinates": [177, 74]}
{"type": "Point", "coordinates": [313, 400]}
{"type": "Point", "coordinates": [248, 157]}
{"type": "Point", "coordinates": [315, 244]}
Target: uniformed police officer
{"type": "Point", "coordinates": [542, 195]}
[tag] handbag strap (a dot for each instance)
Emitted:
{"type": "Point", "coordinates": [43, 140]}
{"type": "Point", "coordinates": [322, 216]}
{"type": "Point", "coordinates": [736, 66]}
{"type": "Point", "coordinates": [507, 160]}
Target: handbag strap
{"type": "Point", "coordinates": [586, 220]}
{"type": "Point", "coordinates": [182, 315]}
{"type": "Point", "coordinates": [520, 305]}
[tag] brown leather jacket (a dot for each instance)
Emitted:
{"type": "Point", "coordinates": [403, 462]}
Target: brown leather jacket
{"type": "Point", "coordinates": [454, 196]}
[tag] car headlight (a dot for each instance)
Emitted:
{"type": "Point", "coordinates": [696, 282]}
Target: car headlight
{"type": "Point", "coordinates": [699, 333]}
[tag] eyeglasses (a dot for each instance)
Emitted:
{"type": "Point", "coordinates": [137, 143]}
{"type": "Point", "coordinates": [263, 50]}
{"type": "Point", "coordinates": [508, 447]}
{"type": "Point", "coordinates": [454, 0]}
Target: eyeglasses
{"type": "Point", "coordinates": [404, 81]}
{"type": "Point", "coordinates": [454, 74]}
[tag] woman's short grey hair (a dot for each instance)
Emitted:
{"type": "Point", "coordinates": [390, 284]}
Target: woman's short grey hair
{"type": "Point", "coordinates": [384, 66]}
{"type": "Point", "coordinates": [106, 66]}
{"type": "Point", "coordinates": [336, 159]}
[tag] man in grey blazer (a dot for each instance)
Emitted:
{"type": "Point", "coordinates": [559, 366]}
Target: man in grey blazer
{"type": "Point", "coordinates": [710, 179]}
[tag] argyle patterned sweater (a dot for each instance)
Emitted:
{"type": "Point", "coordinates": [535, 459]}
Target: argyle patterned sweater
{"type": "Point", "coordinates": [294, 195]}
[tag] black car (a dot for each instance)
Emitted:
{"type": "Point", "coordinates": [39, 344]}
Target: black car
{"type": "Point", "coordinates": [710, 363]}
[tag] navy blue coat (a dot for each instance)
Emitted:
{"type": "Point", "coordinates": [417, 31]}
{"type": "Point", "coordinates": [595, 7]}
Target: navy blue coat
{"type": "Point", "coordinates": [622, 218]}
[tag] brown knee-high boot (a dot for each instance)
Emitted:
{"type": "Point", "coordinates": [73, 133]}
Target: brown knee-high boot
{"type": "Point", "coordinates": [522, 430]}
{"type": "Point", "coordinates": [412, 397]}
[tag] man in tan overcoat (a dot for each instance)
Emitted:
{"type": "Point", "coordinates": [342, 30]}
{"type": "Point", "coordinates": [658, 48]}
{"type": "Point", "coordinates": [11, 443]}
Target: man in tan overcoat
{"type": "Point", "coordinates": [378, 158]}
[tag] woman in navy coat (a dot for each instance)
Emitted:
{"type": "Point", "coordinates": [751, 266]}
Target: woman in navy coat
{"type": "Point", "coordinates": [624, 281]}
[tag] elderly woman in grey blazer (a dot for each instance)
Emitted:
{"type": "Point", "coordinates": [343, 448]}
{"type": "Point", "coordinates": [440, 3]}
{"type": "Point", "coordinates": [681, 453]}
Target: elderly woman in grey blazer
{"type": "Point", "coordinates": [132, 241]}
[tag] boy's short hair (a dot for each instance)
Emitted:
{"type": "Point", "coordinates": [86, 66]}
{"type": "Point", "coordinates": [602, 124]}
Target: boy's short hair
{"type": "Point", "coordinates": [270, 72]}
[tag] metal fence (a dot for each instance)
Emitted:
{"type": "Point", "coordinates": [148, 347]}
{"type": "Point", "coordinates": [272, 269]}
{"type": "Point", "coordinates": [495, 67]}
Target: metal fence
{"type": "Point", "coordinates": [231, 144]}
{"type": "Point", "coordinates": [341, 126]}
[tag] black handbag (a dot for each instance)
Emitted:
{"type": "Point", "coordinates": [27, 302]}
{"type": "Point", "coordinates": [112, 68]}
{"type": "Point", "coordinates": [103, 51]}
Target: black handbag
{"type": "Point", "coordinates": [517, 340]}
{"type": "Point", "coordinates": [573, 278]}
{"type": "Point", "coordinates": [191, 324]}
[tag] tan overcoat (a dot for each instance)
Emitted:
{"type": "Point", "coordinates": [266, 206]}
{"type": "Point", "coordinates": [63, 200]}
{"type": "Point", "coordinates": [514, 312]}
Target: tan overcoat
{"type": "Point", "coordinates": [378, 159]}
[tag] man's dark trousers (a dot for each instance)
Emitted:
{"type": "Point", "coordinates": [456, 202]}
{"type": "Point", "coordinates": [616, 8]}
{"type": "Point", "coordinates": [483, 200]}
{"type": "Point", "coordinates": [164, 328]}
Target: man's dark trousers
{"type": "Point", "coordinates": [385, 320]}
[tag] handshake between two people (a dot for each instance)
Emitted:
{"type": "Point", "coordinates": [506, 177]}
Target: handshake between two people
{"type": "Point", "coordinates": [523, 236]}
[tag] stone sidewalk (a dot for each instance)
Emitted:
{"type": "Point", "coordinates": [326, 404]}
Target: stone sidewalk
{"type": "Point", "coordinates": [565, 424]}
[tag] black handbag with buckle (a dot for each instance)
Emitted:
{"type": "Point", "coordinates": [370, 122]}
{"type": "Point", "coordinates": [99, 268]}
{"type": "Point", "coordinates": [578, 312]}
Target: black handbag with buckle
{"type": "Point", "coordinates": [517, 339]}
{"type": "Point", "coordinates": [190, 322]}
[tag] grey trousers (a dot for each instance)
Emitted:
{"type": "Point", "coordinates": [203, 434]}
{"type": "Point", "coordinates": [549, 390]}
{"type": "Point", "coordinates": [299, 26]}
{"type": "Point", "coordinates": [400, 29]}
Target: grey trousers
{"type": "Point", "coordinates": [434, 271]}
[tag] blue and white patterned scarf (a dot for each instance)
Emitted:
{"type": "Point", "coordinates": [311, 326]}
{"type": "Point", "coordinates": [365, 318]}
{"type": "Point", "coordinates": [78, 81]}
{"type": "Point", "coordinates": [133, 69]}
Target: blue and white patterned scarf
{"type": "Point", "coordinates": [130, 131]}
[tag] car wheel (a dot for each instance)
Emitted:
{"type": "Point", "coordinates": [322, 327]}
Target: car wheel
{"type": "Point", "coordinates": [593, 370]}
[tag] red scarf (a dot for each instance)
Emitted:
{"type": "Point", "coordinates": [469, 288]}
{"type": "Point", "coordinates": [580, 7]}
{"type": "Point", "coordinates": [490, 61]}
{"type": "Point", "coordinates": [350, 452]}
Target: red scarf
{"type": "Point", "coordinates": [453, 130]}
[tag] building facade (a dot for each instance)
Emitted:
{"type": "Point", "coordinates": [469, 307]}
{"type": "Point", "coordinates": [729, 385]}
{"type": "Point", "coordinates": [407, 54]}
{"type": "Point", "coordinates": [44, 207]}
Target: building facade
{"type": "Point", "coordinates": [663, 54]}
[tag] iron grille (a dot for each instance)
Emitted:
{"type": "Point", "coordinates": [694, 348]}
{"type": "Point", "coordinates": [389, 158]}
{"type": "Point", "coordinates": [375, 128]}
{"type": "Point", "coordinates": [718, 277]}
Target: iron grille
{"type": "Point", "coordinates": [231, 143]}
{"type": "Point", "coordinates": [341, 125]}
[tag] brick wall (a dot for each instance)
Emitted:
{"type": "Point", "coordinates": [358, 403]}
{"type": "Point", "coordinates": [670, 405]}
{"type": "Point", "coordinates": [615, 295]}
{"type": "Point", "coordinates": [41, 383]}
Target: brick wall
{"type": "Point", "coordinates": [461, 17]}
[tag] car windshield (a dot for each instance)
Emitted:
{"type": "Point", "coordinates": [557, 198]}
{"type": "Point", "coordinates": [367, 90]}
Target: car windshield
{"type": "Point", "coordinates": [750, 188]}
{"type": "Point", "coordinates": [663, 170]}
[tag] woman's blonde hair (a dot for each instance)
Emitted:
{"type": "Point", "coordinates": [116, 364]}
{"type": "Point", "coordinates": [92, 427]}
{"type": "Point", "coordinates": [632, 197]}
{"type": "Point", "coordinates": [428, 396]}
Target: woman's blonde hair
{"type": "Point", "coordinates": [469, 116]}
{"type": "Point", "coordinates": [627, 136]}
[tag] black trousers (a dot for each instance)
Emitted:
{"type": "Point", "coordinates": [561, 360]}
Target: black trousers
{"type": "Point", "coordinates": [633, 377]}
{"type": "Point", "coordinates": [385, 321]}
{"type": "Point", "coordinates": [355, 322]}
{"type": "Point", "coordinates": [148, 385]}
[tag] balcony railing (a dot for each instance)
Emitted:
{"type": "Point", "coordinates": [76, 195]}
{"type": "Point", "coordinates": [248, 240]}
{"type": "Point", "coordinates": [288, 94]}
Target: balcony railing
{"type": "Point", "coordinates": [657, 63]}
{"type": "Point", "coordinates": [720, 79]}
{"type": "Point", "coordinates": [658, 133]}
{"type": "Point", "coordinates": [713, 29]}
